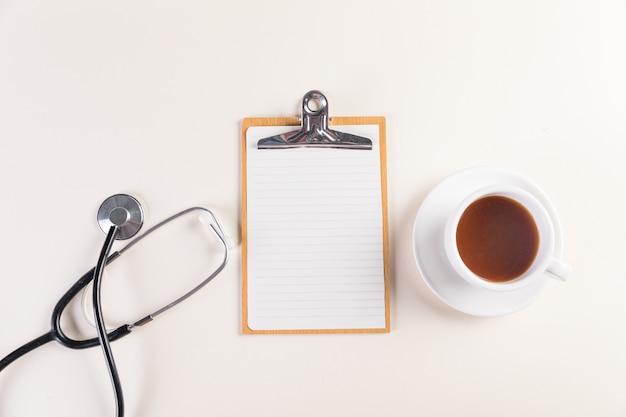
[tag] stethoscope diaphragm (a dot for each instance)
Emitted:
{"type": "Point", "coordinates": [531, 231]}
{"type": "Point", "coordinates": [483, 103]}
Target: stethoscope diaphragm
{"type": "Point", "coordinates": [121, 210]}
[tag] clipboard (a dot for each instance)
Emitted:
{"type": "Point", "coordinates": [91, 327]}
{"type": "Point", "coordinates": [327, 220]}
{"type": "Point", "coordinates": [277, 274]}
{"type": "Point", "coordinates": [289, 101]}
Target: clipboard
{"type": "Point", "coordinates": [315, 249]}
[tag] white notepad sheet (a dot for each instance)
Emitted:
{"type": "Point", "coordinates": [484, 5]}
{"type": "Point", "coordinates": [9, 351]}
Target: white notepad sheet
{"type": "Point", "coordinates": [315, 238]}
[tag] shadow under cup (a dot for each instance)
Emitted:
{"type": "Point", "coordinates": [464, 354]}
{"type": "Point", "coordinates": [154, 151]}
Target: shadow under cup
{"type": "Point", "coordinates": [500, 238]}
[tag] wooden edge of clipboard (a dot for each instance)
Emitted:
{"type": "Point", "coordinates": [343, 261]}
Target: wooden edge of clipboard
{"type": "Point", "coordinates": [294, 121]}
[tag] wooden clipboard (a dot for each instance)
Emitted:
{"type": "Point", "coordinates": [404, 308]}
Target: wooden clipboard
{"type": "Point", "coordinates": [315, 249]}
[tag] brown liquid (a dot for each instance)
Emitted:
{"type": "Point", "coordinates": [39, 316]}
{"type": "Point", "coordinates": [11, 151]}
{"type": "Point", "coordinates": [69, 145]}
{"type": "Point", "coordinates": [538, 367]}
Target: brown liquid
{"type": "Point", "coordinates": [497, 238]}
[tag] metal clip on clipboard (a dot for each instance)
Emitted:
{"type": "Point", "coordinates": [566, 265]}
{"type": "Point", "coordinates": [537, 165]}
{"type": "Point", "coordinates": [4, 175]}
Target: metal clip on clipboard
{"type": "Point", "coordinates": [314, 131]}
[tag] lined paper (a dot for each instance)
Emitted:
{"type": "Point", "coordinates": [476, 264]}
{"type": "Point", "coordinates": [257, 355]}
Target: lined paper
{"type": "Point", "coordinates": [315, 236]}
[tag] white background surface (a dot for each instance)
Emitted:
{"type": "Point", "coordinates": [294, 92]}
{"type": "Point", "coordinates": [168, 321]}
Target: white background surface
{"type": "Point", "coordinates": [146, 97]}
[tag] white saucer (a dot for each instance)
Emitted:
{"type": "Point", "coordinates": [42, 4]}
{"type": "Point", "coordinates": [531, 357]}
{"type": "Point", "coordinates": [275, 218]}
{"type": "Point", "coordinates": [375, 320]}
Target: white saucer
{"type": "Point", "coordinates": [428, 244]}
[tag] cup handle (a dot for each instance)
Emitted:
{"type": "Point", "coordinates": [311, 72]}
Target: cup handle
{"type": "Point", "coordinates": [559, 269]}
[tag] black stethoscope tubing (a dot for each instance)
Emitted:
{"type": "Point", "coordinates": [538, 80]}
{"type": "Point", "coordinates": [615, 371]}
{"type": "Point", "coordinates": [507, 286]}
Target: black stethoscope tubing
{"type": "Point", "coordinates": [56, 332]}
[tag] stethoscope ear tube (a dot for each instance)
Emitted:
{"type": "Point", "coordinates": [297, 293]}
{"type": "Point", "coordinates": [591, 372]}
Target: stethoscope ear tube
{"type": "Point", "coordinates": [214, 224]}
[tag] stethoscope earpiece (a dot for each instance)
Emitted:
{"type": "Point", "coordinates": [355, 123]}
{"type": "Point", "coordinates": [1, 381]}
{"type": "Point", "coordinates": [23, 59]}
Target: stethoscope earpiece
{"type": "Point", "coordinates": [123, 211]}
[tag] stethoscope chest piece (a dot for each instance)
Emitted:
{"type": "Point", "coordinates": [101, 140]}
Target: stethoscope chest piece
{"type": "Point", "coordinates": [121, 210]}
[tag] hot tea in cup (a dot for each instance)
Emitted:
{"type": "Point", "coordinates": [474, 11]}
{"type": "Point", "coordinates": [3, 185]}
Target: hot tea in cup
{"type": "Point", "coordinates": [497, 238]}
{"type": "Point", "coordinates": [501, 238]}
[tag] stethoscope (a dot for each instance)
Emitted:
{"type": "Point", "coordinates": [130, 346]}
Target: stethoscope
{"type": "Point", "coordinates": [120, 217]}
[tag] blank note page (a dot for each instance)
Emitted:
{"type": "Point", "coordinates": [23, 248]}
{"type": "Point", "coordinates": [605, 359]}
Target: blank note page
{"type": "Point", "coordinates": [315, 232]}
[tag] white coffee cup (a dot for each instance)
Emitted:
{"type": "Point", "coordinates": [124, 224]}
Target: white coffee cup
{"type": "Point", "coordinates": [544, 265]}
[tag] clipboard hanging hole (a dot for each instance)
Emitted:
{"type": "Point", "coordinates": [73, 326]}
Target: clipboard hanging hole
{"type": "Point", "coordinates": [314, 105]}
{"type": "Point", "coordinates": [315, 118]}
